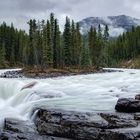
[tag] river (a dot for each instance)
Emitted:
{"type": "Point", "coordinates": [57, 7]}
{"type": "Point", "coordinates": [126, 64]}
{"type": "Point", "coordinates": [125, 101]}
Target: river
{"type": "Point", "coordinates": [84, 93]}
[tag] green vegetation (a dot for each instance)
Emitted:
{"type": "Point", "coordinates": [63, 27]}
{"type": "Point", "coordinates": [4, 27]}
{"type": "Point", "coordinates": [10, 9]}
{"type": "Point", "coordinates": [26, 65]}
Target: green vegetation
{"type": "Point", "coordinates": [126, 47]}
{"type": "Point", "coordinates": [45, 47]}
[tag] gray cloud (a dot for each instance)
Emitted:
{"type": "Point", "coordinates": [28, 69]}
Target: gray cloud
{"type": "Point", "coordinates": [20, 11]}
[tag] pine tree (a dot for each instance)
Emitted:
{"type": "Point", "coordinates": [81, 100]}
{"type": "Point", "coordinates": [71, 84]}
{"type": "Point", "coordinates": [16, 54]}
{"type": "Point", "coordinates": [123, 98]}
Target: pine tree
{"type": "Point", "coordinates": [2, 57]}
{"type": "Point", "coordinates": [45, 46]}
{"type": "Point", "coordinates": [31, 47]}
{"type": "Point", "coordinates": [99, 48]}
{"type": "Point", "coordinates": [49, 46]}
{"type": "Point", "coordinates": [55, 49]}
{"type": "Point", "coordinates": [52, 37]}
{"type": "Point", "coordinates": [73, 44]}
{"type": "Point", "coordinates": [85, 58]}
{"type": "Point", "coordinates": [91, 44]}
{"type": "Point", "coordinates": [67, 43]}
{"type": "Point", "coordinates": [79, 44]}
{"type": "Point", "coordinates": [106, 33]}
{"type": "Point", "coordinates": [99, 32]}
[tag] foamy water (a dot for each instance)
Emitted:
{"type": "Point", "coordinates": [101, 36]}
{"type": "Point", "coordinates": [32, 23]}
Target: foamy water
{"type": "Point", "coordinates": [85, 93]}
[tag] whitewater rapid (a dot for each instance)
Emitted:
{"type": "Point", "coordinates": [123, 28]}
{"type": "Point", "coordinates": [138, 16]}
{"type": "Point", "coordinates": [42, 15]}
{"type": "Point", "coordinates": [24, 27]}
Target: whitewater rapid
{"type": "Point", "coordinates": [84, 93]}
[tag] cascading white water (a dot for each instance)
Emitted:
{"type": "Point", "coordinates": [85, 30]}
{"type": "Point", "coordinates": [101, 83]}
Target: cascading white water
{"type": "Point", "coordinates": [94, 92]}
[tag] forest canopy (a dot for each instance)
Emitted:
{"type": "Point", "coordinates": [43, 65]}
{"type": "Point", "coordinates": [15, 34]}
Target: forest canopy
{"type": "Point", "coordinates": [46, 46]}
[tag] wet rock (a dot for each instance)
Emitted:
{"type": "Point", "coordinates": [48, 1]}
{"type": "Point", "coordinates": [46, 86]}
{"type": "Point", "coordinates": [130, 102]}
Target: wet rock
{"type": "Point", "coordinates": [117, 120]}
{"type": "Point", "coordinates": [111, 90]}
{"type": "Point", "coordinates": [17, 129]}
{"type": "Point", "coordinates": [69, 124]}
{"type": "Point", "coordinates": [52, 124]}
{"type": "Point", "coordinates": [137, 116]}
{"type": "Point", "coordinates": [128, 105]}
{"type": "Point", "coordinates": [85, 126]}
{"type": "Point", "coordinates": [51, 74]}
{"type": "Point", "coordinates": [132, 73]}
{"type": "Point", "coordinates": [12, 74]}
{"type": "Point", "coordinates": [120, 134]}
{"type": "Point", "coordinates": [137, 97]}
{"type": "Point", "coordinates": [18, 126]}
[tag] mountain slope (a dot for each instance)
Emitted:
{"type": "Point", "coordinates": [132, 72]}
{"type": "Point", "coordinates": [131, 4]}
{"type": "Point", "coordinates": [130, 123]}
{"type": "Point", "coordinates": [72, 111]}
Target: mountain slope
{"type": "Point", "coordinates": [117, 24]}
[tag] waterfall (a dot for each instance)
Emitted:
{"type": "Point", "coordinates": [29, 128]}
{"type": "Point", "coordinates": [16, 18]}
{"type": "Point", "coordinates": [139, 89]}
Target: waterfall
{"type": "Point", "coordinates": [17, 100]}
{"type": "Point", "coordinates": [88, 93]}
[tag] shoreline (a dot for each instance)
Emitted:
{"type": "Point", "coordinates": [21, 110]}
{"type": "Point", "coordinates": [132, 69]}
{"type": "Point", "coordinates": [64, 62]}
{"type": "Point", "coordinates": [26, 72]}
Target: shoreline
{"type": "Point", "coordinates": [53, 73]}
{"type": "Point", "coordinates": [58, 124]}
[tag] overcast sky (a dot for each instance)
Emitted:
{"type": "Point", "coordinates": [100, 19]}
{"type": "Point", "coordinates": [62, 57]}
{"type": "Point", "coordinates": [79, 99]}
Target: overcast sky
{"type": "Point", "coordinates": [20, 11]}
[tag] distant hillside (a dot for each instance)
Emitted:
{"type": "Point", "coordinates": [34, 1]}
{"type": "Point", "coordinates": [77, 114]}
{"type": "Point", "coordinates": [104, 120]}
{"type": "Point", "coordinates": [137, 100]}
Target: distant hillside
{"type": "Point", "coordinates": [117, 24]}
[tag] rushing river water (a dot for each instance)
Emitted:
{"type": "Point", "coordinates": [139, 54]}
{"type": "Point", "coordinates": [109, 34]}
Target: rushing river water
{"type": "Point", "coordinates": [87, 93]}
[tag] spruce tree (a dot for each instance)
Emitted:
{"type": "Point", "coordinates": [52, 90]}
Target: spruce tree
{"type": "Point", "coordinates": [67, 43]}
{"type": "Point", "coordinates": [73, 44]}
{"type": "Point", "coordinates": [79, 44]}
{"type": "Point", "coordinates": [31, 45]}
{"type": "Point", "coordinates": [85, 58]}
{"type": "Point", "coordinates": [49, 46]}
{"type": "Point", "coordinates": [106, 33]}
{"type": "Point", "coordinates": [2, 57]}
{"type": "Point", "coordinates": [57, 48]}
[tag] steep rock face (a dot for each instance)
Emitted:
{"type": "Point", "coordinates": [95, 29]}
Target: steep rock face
{"type": "Point", "coordinates": [117, 24]}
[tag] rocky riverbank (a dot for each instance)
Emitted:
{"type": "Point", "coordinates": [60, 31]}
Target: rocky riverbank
{"type": "Point", "coordinates": [102, 126]}
{"type": "Point", "coordinates": [12, 74]}
{"type": "Point", "coordinates": [51, 73]}
{"type": "Point", "coordinates": [52, 124]}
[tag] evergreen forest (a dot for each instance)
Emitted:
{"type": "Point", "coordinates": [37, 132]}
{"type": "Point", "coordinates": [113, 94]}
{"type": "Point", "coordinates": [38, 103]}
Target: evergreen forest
{"type": "Point", "coordinates": [45, 46]}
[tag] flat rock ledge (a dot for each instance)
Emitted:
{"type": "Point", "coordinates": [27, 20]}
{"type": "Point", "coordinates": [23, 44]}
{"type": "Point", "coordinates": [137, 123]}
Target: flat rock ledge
{"type": "Point", "coordinates": [52, 124]}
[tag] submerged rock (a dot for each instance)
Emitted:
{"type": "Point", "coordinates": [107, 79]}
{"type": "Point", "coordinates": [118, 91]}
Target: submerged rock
{"type": "Point", "coordinates": [128, 105]}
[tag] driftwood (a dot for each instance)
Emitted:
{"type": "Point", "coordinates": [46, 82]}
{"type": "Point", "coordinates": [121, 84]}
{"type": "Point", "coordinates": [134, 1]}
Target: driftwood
{"type": "Point", "coordinates": [30, 85]}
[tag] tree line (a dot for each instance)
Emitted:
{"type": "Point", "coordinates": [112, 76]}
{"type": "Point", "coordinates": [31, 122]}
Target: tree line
{"type": "Point", "coordinates": [125, 47]}
{"type": "Point", "coordinates": [46, 46]}
{"type": "Point", "coordinates": [13, 43]}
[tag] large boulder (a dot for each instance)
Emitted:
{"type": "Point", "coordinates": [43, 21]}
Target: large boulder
{"type": "Point", "coordinates": [73, 125]}
{"type": "Point", "coordinates": [84, 126]}
{"type": "Point", "coordinates": [128, 105]}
